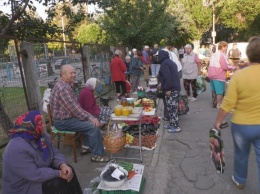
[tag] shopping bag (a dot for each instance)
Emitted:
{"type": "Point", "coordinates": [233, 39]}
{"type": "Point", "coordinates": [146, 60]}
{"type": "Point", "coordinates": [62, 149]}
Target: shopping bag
{"type": "Point", "coordinates": [217, 150]}
{"type": "Point", "coordinates": [160, 93]}
{"type": "Point", "coordinates": [183, 105]}
{"type": "Point", "coordinates": [200, 85]}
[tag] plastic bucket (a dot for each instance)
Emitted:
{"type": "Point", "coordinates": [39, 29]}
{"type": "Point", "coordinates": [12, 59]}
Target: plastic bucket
{"type": "Point", "coordinates": [107, 80]}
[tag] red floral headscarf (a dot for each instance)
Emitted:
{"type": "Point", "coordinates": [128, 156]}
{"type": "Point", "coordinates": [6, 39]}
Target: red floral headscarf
{"type": "Point", "coordinates": [30, 126]}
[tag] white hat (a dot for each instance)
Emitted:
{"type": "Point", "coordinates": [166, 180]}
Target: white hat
{"type": "Point", "coordinates": [146, 47]}
{"type": "Point", "coordinates": [134, 49]}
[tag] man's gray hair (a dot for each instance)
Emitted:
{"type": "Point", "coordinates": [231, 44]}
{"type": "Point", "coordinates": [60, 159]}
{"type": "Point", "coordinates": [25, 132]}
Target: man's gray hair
{"type": "Point", "coordinates": [127, 57]}
{"type": "Point", "coordinates": [188, 46]}
{"type": "Point", "coordinates": [118, 52]}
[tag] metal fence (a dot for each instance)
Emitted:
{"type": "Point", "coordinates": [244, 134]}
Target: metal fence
{"type": "Point", "coordinates": [12, 94]}
{"type": "Point", "coordinates": [49, 56]}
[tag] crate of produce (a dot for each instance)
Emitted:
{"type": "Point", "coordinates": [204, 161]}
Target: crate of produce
{"type": "Point", "coordinates": [126, 191]}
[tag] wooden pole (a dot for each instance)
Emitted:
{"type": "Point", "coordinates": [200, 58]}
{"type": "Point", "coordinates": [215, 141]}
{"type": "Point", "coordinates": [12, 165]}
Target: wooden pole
{"type": "Point", "coordinates": [85, 62]}
{"type": "Point", "coordinates": [33, 90]}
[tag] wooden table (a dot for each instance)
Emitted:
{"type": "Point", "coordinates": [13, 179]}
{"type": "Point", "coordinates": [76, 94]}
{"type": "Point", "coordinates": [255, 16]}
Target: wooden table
{"type": "Point", "coordinates": [132, 117]}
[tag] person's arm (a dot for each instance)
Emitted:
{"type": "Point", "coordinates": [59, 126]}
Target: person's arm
{"type": "Point", "coordinates": [23, 161]}
{"type": "Point", "coordinates": [174, 58]}
{"type": "Point", "coordinates": [59, 161]}
{"type": "Point", "coordinates": [122, 65]}
{"type": "Point", "coordinates": [73, 106]}
{"type": "Point", "coordinates": [224, 63]}
{"type": "Point", "coordinates": [145, 58]}
{"type": "Point", "coordinates": [166, 74]}
{"type": "Point", "coordinates": [220, 117]}
{"type": "Point", "coordinates": [88, 102]}
{"type": "Point", "coordinates": [136, 64]}
{"type": "Point", "coordinates": [197, 60]}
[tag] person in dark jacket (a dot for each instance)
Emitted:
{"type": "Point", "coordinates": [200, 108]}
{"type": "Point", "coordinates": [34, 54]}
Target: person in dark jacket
{"type": "Point", "coordinates": [170, 83]}
{"type": "Point", "coordinates": [31, 164]}
{"type": "Point", "coordinates": [135, 71]}
{"type": "Point", "coordinates": [155, 66]}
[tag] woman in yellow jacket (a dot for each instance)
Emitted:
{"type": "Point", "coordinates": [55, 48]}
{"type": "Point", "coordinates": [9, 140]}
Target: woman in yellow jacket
{"type": "Point", "coordinates": [243, 97]}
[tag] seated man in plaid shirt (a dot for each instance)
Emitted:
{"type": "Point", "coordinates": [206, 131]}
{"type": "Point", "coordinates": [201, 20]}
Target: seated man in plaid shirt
{"type": "Point", "coordinates": [68, 115]}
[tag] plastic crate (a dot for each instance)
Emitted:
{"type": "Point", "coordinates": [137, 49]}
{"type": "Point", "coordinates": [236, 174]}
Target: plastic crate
{"type": "Point", "coordinates": [126, 191]}
{"type": "Point", "coordinates": [140, 93]}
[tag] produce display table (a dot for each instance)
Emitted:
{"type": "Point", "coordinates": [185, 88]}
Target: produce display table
{"type": "Point", "coordinates": [132, 117]}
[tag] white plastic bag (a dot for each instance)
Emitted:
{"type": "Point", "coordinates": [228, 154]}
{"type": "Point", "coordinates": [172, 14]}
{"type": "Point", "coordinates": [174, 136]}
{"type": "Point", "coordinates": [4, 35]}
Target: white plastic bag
{"type": "Point", "coordinates": [46, 99]}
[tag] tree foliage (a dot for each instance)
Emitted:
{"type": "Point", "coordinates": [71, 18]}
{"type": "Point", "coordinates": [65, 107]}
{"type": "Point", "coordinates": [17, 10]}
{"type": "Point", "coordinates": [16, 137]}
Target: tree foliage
{"type": "Point", "coordinates": [91, 33]}
{"type": "Point", "coordinates": [235, 19]}
{"type": "Point", "coordinates": [136, 22]}
{"type": "Point", "coordinates": [243, 16]}
{"type": "Point", "coordinates": [192, 16]}
{"type": "Point", "coordinates": [20, 22]}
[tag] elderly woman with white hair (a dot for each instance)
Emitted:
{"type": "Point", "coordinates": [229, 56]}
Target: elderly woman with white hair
{"type": "Point", "coordinates": [118, 69]}
{"type": "Point", "coordinates": [88, 102]}
{"type": "Point", "coordinates": [190, 71]}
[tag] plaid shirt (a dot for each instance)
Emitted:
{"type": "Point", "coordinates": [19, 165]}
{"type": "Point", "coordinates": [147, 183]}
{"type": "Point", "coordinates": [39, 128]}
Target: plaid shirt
{"type": "Point", "coordinates": [64, 104]}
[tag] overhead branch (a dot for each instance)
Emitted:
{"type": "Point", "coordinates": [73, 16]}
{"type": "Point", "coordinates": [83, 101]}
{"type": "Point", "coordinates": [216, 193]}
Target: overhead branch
{"type": "Point", "coordinates": [14, 17]}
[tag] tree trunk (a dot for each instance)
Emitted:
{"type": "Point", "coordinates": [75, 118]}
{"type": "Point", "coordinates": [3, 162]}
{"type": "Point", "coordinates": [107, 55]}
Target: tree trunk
{"type": "Point", "coordinates": [5, 121]}
{"type": "Point", "coordinates": [85, 62]}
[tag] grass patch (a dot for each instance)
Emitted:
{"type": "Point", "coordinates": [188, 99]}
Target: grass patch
{"type": "Point", "coordinates": [14, 103]}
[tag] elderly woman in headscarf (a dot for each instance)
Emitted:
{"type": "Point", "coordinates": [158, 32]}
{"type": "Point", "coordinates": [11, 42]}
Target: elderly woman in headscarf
{"type": "Point", "coordinates": [31, 164]}
{"type": "Point", "coordinates": [88, 102]}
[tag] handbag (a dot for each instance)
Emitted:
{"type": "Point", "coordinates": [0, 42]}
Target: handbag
{"type": "Point", "coordinates": [217, 150]}
{"type": "Point", "coordinates": [160, 93]}
{"type": "Point", "coordinates": [183, 105]}
{"type": "Point", "coordinates": [200, 85]}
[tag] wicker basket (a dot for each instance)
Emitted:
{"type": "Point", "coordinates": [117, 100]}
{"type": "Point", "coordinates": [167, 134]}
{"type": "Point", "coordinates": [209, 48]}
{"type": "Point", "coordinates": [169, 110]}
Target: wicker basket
{"type": "Point", "coordinates": [114, 145]}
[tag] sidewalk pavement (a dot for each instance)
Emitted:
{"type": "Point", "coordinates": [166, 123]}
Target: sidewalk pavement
{"type": "Point", "coordinates": [181, 162]}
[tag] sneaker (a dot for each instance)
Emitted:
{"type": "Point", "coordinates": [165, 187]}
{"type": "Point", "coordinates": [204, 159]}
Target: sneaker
{"type": "Point", "coordinates": [193, 99]}
{"type": "Point", "coordinates": [167, 126]}
{"type": "Point", "coordinates": [166, 119]}
{"type": "Point", "coordinates": [240, 186]}
{"type": "Point", "coordinates": [174, 130]}
{"type": "Point", "coordinates": [189, 97]}
{"type": "Point", "coordinates": [135, 93]}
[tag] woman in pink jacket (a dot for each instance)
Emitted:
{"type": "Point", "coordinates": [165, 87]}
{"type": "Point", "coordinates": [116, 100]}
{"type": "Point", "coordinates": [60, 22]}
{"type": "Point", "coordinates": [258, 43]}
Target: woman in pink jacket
{"type": "Point", "coordinates": [217, 73]}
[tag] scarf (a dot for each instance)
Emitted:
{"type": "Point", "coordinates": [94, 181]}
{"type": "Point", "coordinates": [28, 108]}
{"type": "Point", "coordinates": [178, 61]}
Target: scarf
{"type": "Point", "coordinates": [29, 126]}
{"type": "Point", "coordinates": [91, 83]}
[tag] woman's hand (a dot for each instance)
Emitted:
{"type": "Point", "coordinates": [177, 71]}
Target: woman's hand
{"type": "Point", "coordinates": [159, 86]}
{"type": "Point", "coordinates": [66, 172]}
{"type": "Point", "coordinates": [217, 125]}
{"type": "Point", "coordinates": [95, 121]}
{"type": "Point", "coordinates": [168, 93]}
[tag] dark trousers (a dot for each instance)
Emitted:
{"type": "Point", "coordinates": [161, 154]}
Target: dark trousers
{"type": "Point", "coordinates": [135, 81]}
{"type": "Point", "coordinates": [61, 186]}
{"type": "Point", "coordinates": [121, 84]}
{"type": "Point", "coordinates": [187, 83]}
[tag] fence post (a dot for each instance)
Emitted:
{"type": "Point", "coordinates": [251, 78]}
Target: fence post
{"type": "Point", "coordinates": [33, 90]}
{"type": "Point", "coordinates": [85, 62]}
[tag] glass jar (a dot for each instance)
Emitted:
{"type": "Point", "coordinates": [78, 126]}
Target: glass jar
{"type": "Point", "coordinates": [130, 110]}
{"type": "Point", "coordinates": [118, 111]}
{"type": "Point", "coordinates": [123, 102]}
{"type": "Point", "coordinates": [131, 103]}
{"type": "Point", "coordinates": [125, 111]}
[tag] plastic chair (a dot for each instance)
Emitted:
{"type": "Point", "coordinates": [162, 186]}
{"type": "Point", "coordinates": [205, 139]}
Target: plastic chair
{"type": "Point", "coordinates": [66, 137]}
